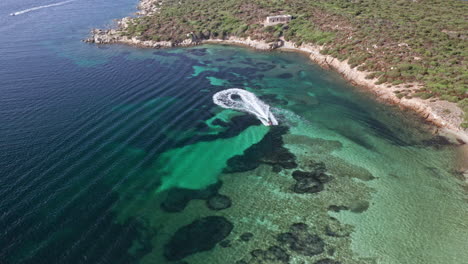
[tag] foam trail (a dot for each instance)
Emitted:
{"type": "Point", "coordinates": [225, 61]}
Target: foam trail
{"type": "Point", "coordinates": [39, 7]}
{"type": "Point", "coordinates": [244, 101]}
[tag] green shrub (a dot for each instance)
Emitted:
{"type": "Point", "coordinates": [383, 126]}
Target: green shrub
{"type": "Point", "coordinates": [450, 98]}
{"type": "Point", "coordinates": [381, 80]}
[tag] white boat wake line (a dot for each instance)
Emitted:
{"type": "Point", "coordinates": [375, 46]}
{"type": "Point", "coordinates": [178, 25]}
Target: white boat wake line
{"type": "Point", "coordinates": [39, 7]}
{"type": "Point", "coordinates": [244, 101]}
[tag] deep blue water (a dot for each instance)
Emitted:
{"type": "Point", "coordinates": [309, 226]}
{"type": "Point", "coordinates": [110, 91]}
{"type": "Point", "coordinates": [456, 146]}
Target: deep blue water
{"type": "Point", "coordinates": [47, 85]}
{"type": "Point", "coordinates": [89, 134]}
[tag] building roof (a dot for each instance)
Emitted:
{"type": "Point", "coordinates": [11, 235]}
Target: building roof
{"type": "Point", "coordinates": [278, 16]}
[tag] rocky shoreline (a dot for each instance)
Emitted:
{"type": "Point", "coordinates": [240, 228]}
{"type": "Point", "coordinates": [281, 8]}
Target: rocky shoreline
{"type": "Point", "coordinates": [445, 115]}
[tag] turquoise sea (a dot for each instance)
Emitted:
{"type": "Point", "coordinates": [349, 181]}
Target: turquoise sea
{"type": "Point", "coordinates": [114, 154]}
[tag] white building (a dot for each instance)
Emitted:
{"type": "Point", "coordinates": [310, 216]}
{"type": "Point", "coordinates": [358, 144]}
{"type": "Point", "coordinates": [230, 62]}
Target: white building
{"type": "Point", "coordinates": [281, 19]}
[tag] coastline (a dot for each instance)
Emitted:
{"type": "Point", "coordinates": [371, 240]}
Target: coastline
{"type": "Point", "coordinates": [433, 112]}
{"type": "Point", "coordinates": [446, 116]}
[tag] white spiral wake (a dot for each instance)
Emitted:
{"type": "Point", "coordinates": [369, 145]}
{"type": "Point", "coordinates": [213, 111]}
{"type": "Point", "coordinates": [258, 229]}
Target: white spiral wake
{"type": "Point", "coordinates": [244, 101]}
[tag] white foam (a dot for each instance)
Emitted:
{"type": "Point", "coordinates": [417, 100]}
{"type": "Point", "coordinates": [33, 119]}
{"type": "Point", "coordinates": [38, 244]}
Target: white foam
{"type": "Point", "coordinates": [246, 102]}
{"type": "Point", "coordinates": [39, 7]}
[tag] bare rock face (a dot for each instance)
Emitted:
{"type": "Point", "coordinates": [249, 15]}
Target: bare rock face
{"type": "Point", "coordinates": [123, 23]}
{"type": "Point", "coordinates": [149, 7]}
{"type": "Point", "coordinates": [100, 36]}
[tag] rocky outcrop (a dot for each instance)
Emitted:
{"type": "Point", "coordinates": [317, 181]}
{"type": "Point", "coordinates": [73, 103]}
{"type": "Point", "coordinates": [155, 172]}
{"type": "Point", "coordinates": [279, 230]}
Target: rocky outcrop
{"type": "Point", "coordinates": [256, 44]}
{"type": "Point", "coordinates": [200, 235]}
{"type": "Point", "coordinates": [301, 241]}
{"type": "Point", "coordinates": [310, 181]}
{"type": "Point", "coordinates": [219, 202]}
{"type": "Point", "coordinates": [149, 7]}
{"type": "Point", "coordinates": [99, 36]}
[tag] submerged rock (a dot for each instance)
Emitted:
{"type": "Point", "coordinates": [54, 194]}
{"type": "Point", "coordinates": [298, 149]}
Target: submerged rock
{"type": "Point", "coordinates": [225, 243]}
{"type": "Point", "coordinates": [233, 128]}
{"type": "Point", "coordinates": [219, 122]}
{"type": "Point", "coordinates": [197, 51]}
{"type": "Point", "coordinates": [359, 206]}
{"type": "Point", "coordinates": [263, 66]}
{"type": "Point", "coordinates": [273, 99]}
{"type": "Point", "coordinates": [308, 185]}
{"type": "Point", "coordinates": [178, 198]}
{"type": "Point", "coordinates": [276, 168]}
{"type": "Point", "coordinates": [311, 181]}
{"type": "Point", "coordinates": [301, 241]}
{"type": "Point", "coordinates": [437, 142]}
{"type": "Point", "coordinates": [219, 202]}
{"type": "Point", "coordinates": [246, 236]}
{"type": "Point", "coordinates": [337, 208]}
{"type": "Point", "coordinates": [335, 231]}
{"type": "Point", "coordinates": [201, 235]}
{"type": "Point", "coordinates": [269, 150]}
{"type": "Point", "coordinates": [273, 254]}
{"type": "Point", "coordinates": [285, 75]}
{"type": "Point", "coordinates": [327, 261]}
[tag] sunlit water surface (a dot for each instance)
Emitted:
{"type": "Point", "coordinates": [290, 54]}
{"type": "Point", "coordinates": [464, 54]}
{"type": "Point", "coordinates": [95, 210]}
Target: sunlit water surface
{"type": "Point", "coordinates": [112, 154]}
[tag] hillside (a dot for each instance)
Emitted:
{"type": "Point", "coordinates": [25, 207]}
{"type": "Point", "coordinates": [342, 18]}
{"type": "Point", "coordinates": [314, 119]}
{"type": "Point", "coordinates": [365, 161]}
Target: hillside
{"type": "Point", "coordinates": [399, 42]}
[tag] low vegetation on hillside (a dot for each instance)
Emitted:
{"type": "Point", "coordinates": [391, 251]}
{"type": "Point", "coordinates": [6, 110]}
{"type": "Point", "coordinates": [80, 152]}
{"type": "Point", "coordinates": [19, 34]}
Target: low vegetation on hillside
{"type": "Point", "coordinates": [399, 41]}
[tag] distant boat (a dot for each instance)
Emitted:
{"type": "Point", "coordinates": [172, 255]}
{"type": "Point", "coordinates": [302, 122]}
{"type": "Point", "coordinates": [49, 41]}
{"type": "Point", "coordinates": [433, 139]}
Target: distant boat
{"type": "Point", "coordinates": [39, 7]}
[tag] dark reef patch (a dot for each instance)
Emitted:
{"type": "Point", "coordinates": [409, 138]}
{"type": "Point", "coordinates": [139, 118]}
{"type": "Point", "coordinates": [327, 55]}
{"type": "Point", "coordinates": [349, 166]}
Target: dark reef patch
{"type": "Point", "coordinates": [225, 243]}
{"type": "Point", "coordinates": [276, 168]}
{"type": "Point", "coordinates": [269, 150]}
{"type": "Point", "coordinates": [174, 54]}
{"type": "Point", "coordinates": [337, 208]}
{"type": "Point", "coordinates": [219, 122]}
{"type": "Point", "coordinates": [356, 138]}
{"type": "Point", "coordinates": [233, 129]}
{"type": "Point", "coordinates": [201, 235]}
{"type": "Point", "coordinates": [247, 236]}
{"type": "Point", "coordinates": [312, 181]}
{"type": "Point", "coordinates": [263, 66]}
{"type": "Point", "coordinates": [273, 255]}
{"type": "Point", "coordinates": [437, 142]}
{"type": "Point", "coordinates": [201, 126]}
{"type": "Point", "coordinates": [273, 99]}
{"type": "Point", "coordinates": [258, 66]}
{"type": "Point", "coordinates": [285, 75]}
{"type": "Point", "coordinates": [178, 198]}
{"type": "Point", "coordinates": [327, 261]}
{"type": "Point", "coordinates": [218, 202]}
{"type": "Point", "coordinates": [301, 241]}
{"type": "Point", "coordinates": [359, 206]}
{"type": "Point", "coordinates": [335, 231]}
{"type": "Point", "coordinates": [197, 51]}
{"type": "Point", "coordinates": [358, 112]}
